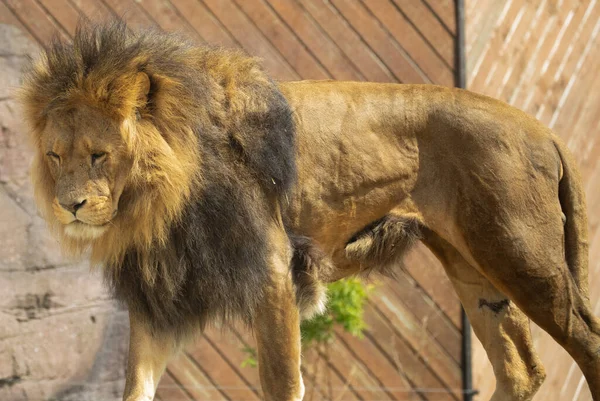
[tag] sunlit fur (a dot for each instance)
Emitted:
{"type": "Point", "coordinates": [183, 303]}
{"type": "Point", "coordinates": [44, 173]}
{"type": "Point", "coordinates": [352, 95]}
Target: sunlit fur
{"type": "Point", "coordinates": [164, 149]}
{"type": "Point", "coordinates": [163, 145]}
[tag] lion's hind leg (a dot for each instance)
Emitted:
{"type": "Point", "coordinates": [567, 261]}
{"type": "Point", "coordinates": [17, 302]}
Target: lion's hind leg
{"type": "Point", "coordinates": [500, 326]}
{"type": "Point", "coordinates": [522, 254]}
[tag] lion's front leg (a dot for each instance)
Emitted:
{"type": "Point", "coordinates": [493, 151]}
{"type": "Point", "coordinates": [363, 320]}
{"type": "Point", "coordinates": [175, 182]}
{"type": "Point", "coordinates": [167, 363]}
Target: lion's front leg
{"type": "Point", "coordinates": [277, 329]}
{"type": "Point", "coordinates": [148, 358]}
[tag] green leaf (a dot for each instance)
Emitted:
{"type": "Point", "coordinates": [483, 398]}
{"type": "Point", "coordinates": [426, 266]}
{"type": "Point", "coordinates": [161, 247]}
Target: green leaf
{"type": "Point", "coordinates": [345, 308]}
{"type": "Point", "coordinates": [251, 359]}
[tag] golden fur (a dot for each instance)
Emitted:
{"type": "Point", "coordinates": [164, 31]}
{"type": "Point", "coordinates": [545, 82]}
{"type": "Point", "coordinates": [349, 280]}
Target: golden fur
{"type": "Point", "coordinates": [204, 182]}
{"type": "Point", "coordinates": [162, 146]}
{"type": "Point", "coordinates": [151, 159]}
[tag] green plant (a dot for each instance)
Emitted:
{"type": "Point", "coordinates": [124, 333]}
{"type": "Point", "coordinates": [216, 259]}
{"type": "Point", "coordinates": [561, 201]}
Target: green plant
{"type": "Point", "coordinates": [345, 306]}
{"type": "Point", "coordinates": [250, 360]}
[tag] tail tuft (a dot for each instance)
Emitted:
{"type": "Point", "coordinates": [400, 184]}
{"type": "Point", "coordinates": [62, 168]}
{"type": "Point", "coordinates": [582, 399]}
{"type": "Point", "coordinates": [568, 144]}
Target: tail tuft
{"type": "Point", "coordinates": [310, 268]}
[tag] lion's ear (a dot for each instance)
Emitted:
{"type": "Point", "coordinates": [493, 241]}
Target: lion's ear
{"type": "Point", "coordinates": [138, 99]}
{"type": "Point", "coordinates": [142, 85]}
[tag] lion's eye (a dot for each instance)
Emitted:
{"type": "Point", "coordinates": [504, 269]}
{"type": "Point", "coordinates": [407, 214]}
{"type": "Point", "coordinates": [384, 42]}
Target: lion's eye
{"type": "Point", "coordinates": [53, 155]}
{"type": "Point", "coordinates": [98, 156]}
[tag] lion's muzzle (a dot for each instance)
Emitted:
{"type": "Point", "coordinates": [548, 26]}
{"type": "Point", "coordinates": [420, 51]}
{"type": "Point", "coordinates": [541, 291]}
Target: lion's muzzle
{"type": "Point", "coordinates": [85, 219]}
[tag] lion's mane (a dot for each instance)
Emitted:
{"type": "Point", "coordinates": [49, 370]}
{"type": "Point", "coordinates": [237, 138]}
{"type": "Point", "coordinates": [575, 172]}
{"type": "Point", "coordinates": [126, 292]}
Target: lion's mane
{"type": "Point", "coordinates": [213, 153]}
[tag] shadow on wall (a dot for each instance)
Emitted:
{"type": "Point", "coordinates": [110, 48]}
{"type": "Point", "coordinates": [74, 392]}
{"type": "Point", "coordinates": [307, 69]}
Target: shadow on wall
{"type": "Point", "coordinates": [61, 337]}
{"type": "Point", "coordinates": [105, 380]}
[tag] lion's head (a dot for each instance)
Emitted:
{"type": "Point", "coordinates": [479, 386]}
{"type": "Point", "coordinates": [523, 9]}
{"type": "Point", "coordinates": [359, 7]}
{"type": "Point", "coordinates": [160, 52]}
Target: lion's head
{"type": "Point", "coordinates": [114, 160]}
{"type": "Point", "coordinates": [126, 124]}
{"type": "Point", "coordinates": [83, 164]}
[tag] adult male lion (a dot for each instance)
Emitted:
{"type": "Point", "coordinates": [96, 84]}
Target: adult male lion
{"type": "Point", "coordinates": [197, 182]}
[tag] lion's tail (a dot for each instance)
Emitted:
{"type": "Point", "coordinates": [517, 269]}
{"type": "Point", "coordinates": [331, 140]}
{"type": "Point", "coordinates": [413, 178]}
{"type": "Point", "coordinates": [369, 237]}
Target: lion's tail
{"type": "Point", "coordinates": [572, 201]}
{"type": "Point", "coordinates": [310, 268]}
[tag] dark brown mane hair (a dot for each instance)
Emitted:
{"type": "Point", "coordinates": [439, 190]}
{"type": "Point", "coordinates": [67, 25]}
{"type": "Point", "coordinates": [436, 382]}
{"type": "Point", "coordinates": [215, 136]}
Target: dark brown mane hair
{"type": "Point", "coordinates": [213, 153]}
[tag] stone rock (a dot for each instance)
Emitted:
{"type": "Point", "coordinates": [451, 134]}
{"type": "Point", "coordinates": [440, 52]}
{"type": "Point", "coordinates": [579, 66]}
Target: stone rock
{"type": "Point", "coordinates": [15, 152]}
{"type": "Point", "coordinates": [61, 336]}
{"type": "Point", "coordinates": [15, 42]}
{"type": "Point", "coordinates": [14, 223]}
{"type": "Point", "coordinates": [44, 250]}
{"type": "Point", "coordinates": [10, 78]}
{"type": "Point", "coordinates": [14, 51]}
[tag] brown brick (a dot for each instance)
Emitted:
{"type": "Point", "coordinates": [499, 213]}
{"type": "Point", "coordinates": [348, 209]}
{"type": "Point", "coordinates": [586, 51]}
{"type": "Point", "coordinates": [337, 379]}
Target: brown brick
{"type": "Point", "coordinates": [168, 18]}
{"type": "Point", "coordinates": [513, 62]}
{"type": "Point", "coordinates": [431, 352]}
{"type": "Point", "coordinates": [444, 10]}
{"type": "Point", "coordinates": [204, 22]}
{"type": "Point", "coordinates": [351, 44]}
{"type": "Point", "coordinates": [367, 352]}
{"type": "Point", "coordinates": [399, 354]}
{"type": "Point", "coordinates": [92, 9]}
{"type": "Point", "coordinates": [430, 27]}
{"type": "Point", "coordinates": [253, 41]}
{"type": "Point", "coordinates": [433, 321]}
{"type": "Point", "coordinates": [169, 389]}
{"type": "Point", "coordinates": [284, 40]}
{"type": "Point", "coordinates": [183, 372]}
{"type": "Point", "coordinates": [220, 371]}
{"type": "Point", "coordinates": [130, 11]}
{"type": "Point", "coordinates": [417, 49]}
{"type": "Point", "coordinates": [63, 12]}
{"type": "Point", "coordinates": [556, 84]}
{"type": "Point", "coordinates": [9, 18]}
{"type": "Point", "coordinates": [529, 57]}
{"type": "Point", "coordinates": [38, 23]}
{"type": "Point", "coordinates": [354, 371]}
{"type": "Point", "coordinates": [379, 40]}
{"type": "Point", "coordinates": [294, 14]}
{"type": "Point", "coordinates": [429, 273]}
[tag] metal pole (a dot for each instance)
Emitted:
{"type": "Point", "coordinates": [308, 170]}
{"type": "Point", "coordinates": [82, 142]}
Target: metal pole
{"type": "Point", "coordinates": [461, 82]}
{"type": "Point", "coordinates": [461, 66]}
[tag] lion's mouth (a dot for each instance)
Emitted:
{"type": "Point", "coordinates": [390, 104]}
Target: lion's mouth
{"type": "Point", "coordinates": [79, 220]}
{"type": "Point", "coordinates": [81, 230]}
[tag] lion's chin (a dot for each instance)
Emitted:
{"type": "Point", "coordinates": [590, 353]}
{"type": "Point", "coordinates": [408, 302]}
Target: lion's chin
{"type": "Point", "coordinates": [83, 231]}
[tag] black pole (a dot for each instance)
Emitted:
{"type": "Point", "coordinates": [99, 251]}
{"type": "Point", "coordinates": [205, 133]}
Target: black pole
{"type": "Point", "coordinates": [461, 82]}
{"type": "Point", "coordinates": [461, 67]}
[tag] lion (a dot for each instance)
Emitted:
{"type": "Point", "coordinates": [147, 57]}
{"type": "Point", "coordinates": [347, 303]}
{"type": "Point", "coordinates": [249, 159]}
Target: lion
{"type": "Point", "coordinates": [206, 191]}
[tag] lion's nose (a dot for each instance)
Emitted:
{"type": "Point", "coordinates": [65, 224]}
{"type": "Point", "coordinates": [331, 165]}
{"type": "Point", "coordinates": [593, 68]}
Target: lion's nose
{"type": "Point", "coordinates": [74, 207]}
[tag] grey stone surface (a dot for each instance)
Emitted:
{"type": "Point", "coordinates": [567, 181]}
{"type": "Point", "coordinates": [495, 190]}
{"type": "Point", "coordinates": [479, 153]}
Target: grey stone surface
{"type": "Point", "coordinates": [14, 50]}
{"type": "Point", "coordinates": [14, 223]}
{"type": "Point", "coordinates": [15, 43]}
{"type": "Point", "coordinates": [15, 152]}
{"type": "Point", "coordinates": [61, 337]}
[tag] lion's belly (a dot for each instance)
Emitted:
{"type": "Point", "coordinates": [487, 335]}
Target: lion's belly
{"type": "Point", "coordinates": [331, 222]}
{"type": "Point", "coordinates": [347, 184]}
